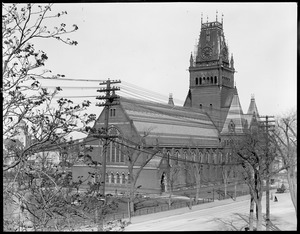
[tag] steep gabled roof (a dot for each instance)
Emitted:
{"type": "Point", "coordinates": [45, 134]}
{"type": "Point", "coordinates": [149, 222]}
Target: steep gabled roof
{"type": "Point", "coordinates": [234, 117]}
{"type": "Point", "coordinates": [170, 125]}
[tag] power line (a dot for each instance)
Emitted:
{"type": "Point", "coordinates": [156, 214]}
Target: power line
{"type": "Point", "coordinates": [67, 79]}
{"type": "Point", "coordinates": [68, 87]}
{"type": "Point", "coordinates": [174, 158]}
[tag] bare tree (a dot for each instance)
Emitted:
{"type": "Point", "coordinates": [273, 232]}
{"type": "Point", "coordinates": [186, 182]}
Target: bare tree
{"type": "Point", "coordinates": [227, 169]}
{"type": "Point", "coordinates": [27, 104]}
{"type": "Point", "coordinates": [138, 155]}
{"type": "Point", "coordinates": [173, 172]}
{"type": "Point", "coordinates": [195, 168]}
{"type": "Point", "coordinates": [285, 142]}
{"type": "Point", "coordinates": [251, 151]}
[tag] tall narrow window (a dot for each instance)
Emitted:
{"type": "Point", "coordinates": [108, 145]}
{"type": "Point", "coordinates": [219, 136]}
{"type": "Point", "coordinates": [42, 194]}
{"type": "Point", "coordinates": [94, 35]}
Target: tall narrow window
{"type": "Point", "coordinates": [121, 154]}
{"type": "Point", "coordinates": [118, 178]}
{"type": "Point", "coordinates": [108, 159]}
{"type": "Point", "coordinates": [106, 178]}
{"type": "Point", "coordinates": [113, 152]}
{"type": "Point", "coordinates": [211, 80]}
{"type": "Point", "coordinates": [196, 81]}
{"type": "Point", "coordinates": [118, 151]}
{"type": "Point", "coordinates": [112, 178]}
{"type": "Point", "coordinates": [200, 81]}
{"type": "Point", "coordinates": [216, 81]}
{"type": "Point", "coordinates": [112, 112]}
{"type": "Point", "coordinates": [200, 106]}
{"type": "Point", "coordinates": [128, 178]}
{"type": "Point", "coordinates": [177, 157]}
{"type": "Point", "coordinates": [123, 178]}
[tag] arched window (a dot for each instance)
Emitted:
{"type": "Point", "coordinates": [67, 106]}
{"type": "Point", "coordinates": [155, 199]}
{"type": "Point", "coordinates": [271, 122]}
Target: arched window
{"type": "Point", "coordinates": [106, 178]}
{"type": "Point", "coordinates": [196, 81]}
{"type": "Point", "coordinates": [216, 80]}
{"type": "Point", "coordinates": [113, 152]}
{"type": "Point", "coordinates": [203, 80]}
{"type": "Point", "coordinates": [200, 81]}
{"type": "Point", "coordinates": [200, 157]}
{"type": "Point", "coordinates": [118, 152]}
{"type": "Point", "coordinates": [118, 178]}
{"type": "Point", "coordinates": [177, 155]}
{"type": "Point", "coordinates": [108, 158]}
{"type": "Point", "coordinates": [128, 178]}
{"type": "Point", "coordinates": [121, 154]}
{"type": "Point", "coordinates": [185, 155]}
{"type": "Point", "coordinates": [211, 80]}
{"type": "Point", "coordinates": [200, 106]}
{"type": "Point", "coordinates": [123, 178]}
{"type": "Point", "coordinates": [112, 178]}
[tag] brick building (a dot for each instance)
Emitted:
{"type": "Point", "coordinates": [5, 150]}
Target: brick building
{"type": "Point", "coordinates": [192, 133]}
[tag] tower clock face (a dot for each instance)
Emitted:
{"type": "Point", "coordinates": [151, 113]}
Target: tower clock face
{"type": "Point", "coordinates": [206, 52]}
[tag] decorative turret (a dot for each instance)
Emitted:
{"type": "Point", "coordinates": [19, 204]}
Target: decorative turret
{"type": "Point", "coordinates": [231, 62]}
{"type": "Point", "coordinates": [171, 99]}
{"type": "Point", "coordinates": [252, 110]}
{"type": "Point", "coordinates": [191, 60]}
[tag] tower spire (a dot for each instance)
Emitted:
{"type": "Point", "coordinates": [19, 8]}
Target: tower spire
{"type": "Point", "coordinates": [217, 16]}
{"type": "Point", "coordinates": [222, 18]}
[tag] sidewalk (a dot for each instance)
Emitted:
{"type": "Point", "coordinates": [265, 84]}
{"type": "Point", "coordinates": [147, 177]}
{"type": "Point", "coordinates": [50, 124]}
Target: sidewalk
{"type": "Point", "coordinates": [219, 215]}
{"type": "Point", "coordinates": [162, 214]}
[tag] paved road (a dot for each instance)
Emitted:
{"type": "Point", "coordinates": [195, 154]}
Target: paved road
{"type": "Point", "coordinates": [216, 216]}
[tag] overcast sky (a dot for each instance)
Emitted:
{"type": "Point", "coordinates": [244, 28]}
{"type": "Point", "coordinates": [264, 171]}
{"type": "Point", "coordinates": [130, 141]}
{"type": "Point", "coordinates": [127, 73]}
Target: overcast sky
{"type": "Point", "coordinates": [149, 45]}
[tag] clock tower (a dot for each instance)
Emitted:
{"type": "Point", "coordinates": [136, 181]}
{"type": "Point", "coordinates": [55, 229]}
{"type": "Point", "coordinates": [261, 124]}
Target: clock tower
{"type": "Point", "coordinates": [211, 71]}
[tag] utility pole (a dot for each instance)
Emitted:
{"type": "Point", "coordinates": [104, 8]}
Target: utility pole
{"type": "Point", "coordinates": [110, 99]}
{"type": "Point", "coordinates": [266, 126]}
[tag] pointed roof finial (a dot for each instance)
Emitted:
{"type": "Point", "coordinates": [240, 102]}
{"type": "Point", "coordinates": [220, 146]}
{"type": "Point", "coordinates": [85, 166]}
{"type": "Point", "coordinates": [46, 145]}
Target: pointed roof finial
{"type": "Point", "coordinates": [222, 18]}
{"type": "Point", "coordinates": [252, 96]}
{"type": "Point", "coordinates": [171, 102]}
{"type": "Point", "coordinates": [201, 18]}
{"type": "Point", "coordinates": [191, 60]}
{"type": "Point", "coordinates": [206, 19]}
{"type": "Point", "coordinates": [217, 16]}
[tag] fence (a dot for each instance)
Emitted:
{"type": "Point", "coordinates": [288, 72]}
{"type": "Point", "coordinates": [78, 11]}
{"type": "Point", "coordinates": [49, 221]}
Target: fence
{"type": "Point", "coordinates": [154, 209]}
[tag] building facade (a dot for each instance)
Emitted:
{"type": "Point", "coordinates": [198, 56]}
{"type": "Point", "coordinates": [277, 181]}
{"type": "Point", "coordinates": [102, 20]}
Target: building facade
{"type": "Point", "coordinates": [194, 133]}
